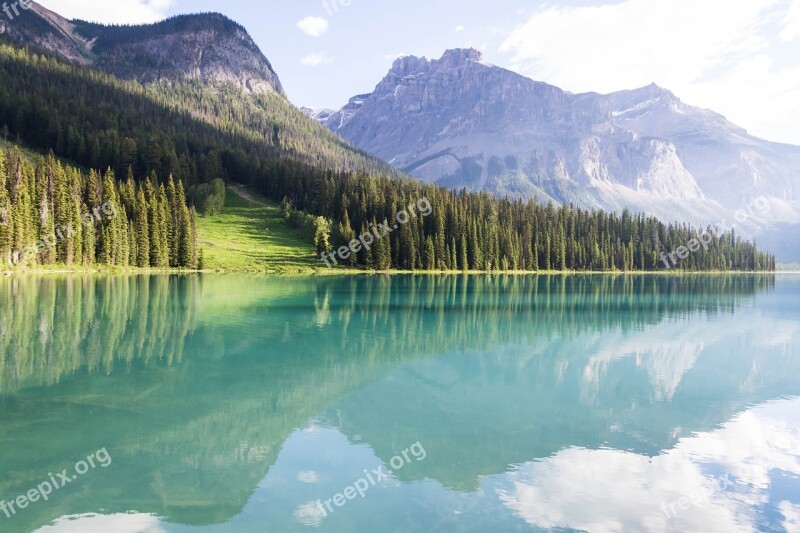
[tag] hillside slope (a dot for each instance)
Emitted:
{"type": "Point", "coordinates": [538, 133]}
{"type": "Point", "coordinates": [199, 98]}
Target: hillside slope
{"type": "Point", "coordinates": [249, 234]}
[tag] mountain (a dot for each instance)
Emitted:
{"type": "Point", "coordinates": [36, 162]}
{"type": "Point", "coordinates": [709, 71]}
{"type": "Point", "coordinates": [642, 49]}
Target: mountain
{"type": "Point", "coordinates": [337, 119]}
{"type": "Point", "coordinates": [192, 96]}
{"type": "Point", "coordinates": [204, 47]}
{"type": "Point", "coordinates": [105, 97]}
{"type": "Point", "coordinates": [460, 121]}
{"type": "Point", "coordinates": [317, 113]}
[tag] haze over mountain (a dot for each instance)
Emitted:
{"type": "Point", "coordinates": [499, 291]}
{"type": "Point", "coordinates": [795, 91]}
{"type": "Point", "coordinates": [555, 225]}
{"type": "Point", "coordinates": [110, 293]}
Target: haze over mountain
{"type": "Point", "coordinates": [460, 121]}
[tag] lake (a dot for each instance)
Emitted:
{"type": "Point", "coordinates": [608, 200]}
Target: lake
{"type": "Point", "coordinates": [409, 403]}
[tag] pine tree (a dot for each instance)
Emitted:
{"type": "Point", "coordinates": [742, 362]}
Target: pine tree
{"type": "Point", "coordinates": [142, 230]}
{"type": "Point", "coordinates": [186, 251]}
{"type": "Point", "coordinates": [174, 222]}
{"type": "Point", "coordinates": [429, 257]}
{"type": "Point", "coordinates": [440, 241]}
{"type": "Point", "coordinates": [165, 221]}
{"type": "Point", "coordinates": [74, 224]}
{"type": "Point", "coordinates": [110, 245]}
{"type": "Point", "coordinates": [94, 191]}
{"type": "Point", "coordinates": [382, 256]}
{"type": "Point", "coordinates": [322, 234]}
{"type": "Point", "coordinates": [23, 230]}
{"type": "Point", "coordinates": [133, 246]}
{"type": "Point", "coordinates": [89, 241]}
{"type": "Point", "coordinates": [193, 228]}
{"type": "Point", "coordinates": [5, 214]}
{"type": "Point", "coordinates": [344, 235]}
{"type": "Point", "coordinates": [187, 255]}
{"type": "Point", "coordinates": [46, 221]}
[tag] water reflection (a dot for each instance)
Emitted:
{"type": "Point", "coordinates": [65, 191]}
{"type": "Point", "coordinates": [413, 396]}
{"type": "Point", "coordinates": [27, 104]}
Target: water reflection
{"type": "Point", "coordinates": [237, 400]}
{"type": "Point", "coordinates": [744, 476]}
{"type": "Point", "coordinates": [55, 325]}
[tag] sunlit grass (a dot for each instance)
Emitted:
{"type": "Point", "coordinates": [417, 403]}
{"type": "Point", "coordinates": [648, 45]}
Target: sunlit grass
{"type": "Point", "coordinates": [253, 236]}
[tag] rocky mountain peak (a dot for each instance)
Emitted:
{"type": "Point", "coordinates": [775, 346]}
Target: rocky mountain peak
{"type": "Point", "coordinates": [460, 122]}
{"type": "Point", "coordinates": [405, 65]}
{"type": "Point", "coordinates": [653, 91]}
{"type": "Point", "coordinates": [208, 47]}
{"type": "Point", "coordinates": [451, 60]}
{"type": "Point", "coordinates": [458, 56]}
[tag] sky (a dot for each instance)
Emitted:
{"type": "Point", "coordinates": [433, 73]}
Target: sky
{"type": "Point", "coordinates": [739, 58]}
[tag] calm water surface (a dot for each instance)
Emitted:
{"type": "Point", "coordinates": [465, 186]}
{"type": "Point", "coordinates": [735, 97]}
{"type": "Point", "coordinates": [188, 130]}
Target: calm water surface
{"type": "Point", "coordinates": [252, 403]}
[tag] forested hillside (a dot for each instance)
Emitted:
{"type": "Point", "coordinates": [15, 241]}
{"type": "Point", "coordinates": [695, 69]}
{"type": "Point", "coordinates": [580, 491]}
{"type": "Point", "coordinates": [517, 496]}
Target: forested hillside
{"type": "Point", "coordinates": [51, 214]}
{"type": "Point", "coordinates": [200, 132]}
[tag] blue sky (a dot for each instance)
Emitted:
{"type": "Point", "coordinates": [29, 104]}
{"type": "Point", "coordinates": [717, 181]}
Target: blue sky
{"type": "Point", "coordinates": [741, 59]}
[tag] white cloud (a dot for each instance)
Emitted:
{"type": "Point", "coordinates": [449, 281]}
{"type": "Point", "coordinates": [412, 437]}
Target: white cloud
{"type": "Point", "coordinates": [97, 523]}
{"type": "Point", "coordinates": [623, 491]}
{"type": "Point", "coordinates": [313, 26]}
{"type": "Point", "coordinates": [460, 28]}
{"type": "Point", "coordinates": [791, 514]}
{"type": "Point", "coordinates": [791, 23]}
{"type": "Point", "coordinates": [316, 59]}
{"type": "Point", "coordinates": [308, 477]}
{"type": "Point", "coordinates": [756, 95]}
{"type": "Point", "coordinates": [116, 12]}
{"type": "Point", "coordinates": [709, 53]}
{"type": "Point", "coordinates": [310, 514]}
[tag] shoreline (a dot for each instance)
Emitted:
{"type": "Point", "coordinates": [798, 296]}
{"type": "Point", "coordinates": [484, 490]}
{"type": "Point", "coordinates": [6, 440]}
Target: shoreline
{"type": "Point", "coordinates": [356, 272]}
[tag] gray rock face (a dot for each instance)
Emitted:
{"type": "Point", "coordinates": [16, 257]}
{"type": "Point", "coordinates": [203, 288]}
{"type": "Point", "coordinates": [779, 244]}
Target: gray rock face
{"type": "Point", "coordinates": [207, 47]}
{"type": "Point", "coordinates": [461, 122]}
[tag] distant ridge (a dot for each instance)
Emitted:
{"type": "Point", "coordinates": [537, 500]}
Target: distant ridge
{"type": "Point", "coordinates": [460, 121]}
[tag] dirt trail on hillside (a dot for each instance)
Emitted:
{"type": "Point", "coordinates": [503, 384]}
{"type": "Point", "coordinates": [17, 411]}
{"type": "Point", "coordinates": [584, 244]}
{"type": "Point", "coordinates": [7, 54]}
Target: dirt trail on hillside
{"type": "Point", "coordinates": [239, 190]}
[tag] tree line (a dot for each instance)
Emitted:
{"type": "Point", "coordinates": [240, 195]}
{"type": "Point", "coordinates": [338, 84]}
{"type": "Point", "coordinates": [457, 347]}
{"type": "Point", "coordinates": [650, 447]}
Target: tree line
{"type": "Point", "coordinates": [205, 133]}
{"type": "Point", "coordinates": [475, 231]}
{"type": "Point", "coordinates": [52, 213]}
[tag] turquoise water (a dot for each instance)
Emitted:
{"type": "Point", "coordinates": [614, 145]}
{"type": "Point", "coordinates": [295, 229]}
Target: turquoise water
{"type": "Point", "coordinates": [252, 403]}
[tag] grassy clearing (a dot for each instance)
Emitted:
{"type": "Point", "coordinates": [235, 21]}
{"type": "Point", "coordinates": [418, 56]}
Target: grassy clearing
{"type": "Point", "coordinates": [250, 235]}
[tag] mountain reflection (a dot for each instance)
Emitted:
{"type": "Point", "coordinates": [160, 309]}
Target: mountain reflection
{"type": "Point", "coordinates": [195, 384]}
